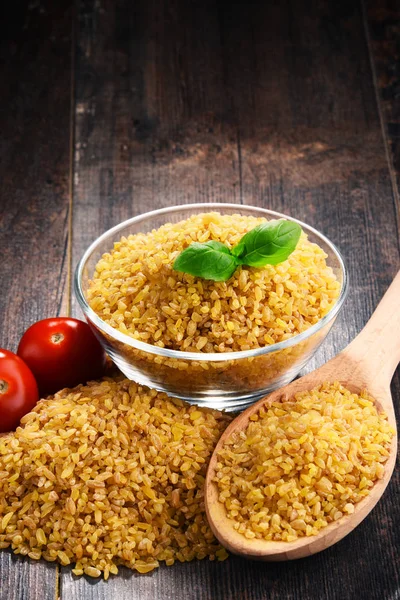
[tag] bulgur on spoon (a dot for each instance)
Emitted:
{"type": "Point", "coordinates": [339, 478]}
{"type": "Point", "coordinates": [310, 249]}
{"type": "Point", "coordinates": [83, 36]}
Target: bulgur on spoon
{"type": "Point", "coordinates": [363, 372]}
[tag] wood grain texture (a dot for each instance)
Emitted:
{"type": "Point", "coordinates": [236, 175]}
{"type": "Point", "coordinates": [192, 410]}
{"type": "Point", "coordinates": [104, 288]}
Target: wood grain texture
{"type": "Point", "coordinates": [262, 103]}
{"type": "Point", "coordinates": [152, 124]}
{"type": "Point", "coordinates": [34, 163]}
{"type": "Point", "coordinates": [34, 171]}
{"type": "Point", "coordinates": [383, 27]}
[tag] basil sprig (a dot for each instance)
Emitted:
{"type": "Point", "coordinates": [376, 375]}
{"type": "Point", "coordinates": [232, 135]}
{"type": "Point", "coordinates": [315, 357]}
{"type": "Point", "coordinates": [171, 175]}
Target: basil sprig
{"type": "Point", "coordinates": [268, 244]}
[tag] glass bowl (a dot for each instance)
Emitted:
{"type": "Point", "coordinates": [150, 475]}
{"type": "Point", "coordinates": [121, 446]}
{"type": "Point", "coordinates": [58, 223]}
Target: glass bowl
{"type": "Point", "coordinates": [228, 380]}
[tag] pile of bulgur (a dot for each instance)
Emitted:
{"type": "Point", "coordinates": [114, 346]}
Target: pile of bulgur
{"type": "Point", "coordinates": [303, 463]}
{"type": "Point", "coordinates": [109, 473]}
{"type": "Point", "coordinates": [135, 290]}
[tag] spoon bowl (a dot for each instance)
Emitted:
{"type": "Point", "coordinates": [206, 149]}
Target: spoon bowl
{"type": "Point", "coordinates": [368, 363]}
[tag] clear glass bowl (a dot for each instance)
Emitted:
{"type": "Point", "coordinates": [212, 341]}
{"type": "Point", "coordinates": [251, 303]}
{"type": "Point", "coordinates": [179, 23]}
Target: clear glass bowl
{"type": "Point", "coordinates": [229, 380]}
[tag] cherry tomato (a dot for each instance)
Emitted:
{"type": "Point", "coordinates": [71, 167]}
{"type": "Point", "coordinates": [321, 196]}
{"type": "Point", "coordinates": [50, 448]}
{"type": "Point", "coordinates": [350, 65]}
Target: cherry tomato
{"type": "Point", "coordinates": [62, 352]}
{"type": "Point", "coordinates": [18, 390]}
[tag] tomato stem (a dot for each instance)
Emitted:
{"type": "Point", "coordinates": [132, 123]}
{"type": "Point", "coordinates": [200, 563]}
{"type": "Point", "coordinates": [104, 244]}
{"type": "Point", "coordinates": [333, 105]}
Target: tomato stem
{"type": "Point", "coordinates": [3, 386]}
{"type": "Point", "coordinates": [57, 338]}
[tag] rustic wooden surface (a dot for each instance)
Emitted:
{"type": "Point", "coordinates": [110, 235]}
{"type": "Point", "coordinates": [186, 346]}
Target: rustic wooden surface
{"type": "Point", "coordinates": [35, 102]}
{"type": "Point", "coordinates": [383, 18]}
{"type": "Point", "coordinates": [292, 106]}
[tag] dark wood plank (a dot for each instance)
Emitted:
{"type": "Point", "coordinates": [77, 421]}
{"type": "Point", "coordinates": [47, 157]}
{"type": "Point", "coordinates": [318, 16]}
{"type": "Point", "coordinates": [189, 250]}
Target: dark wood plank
{"type": "Point", "coordinates": [263, 103]}
{"type": "Point", "coordinates": [383, 28]}
{"type": "Point", "coordinates": [34, 163]}
{"type": "Point", "coordinates": [153, 126]}
{"type": "Point", "coordinates": [34, 173]}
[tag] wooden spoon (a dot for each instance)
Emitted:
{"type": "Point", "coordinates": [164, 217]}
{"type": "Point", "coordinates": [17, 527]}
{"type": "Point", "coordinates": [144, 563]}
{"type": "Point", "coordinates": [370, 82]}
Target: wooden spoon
{"type": "Point", "coordinates": [367, 363]}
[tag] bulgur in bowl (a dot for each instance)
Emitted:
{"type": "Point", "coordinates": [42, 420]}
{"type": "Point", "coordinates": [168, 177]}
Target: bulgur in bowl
{"type": "Point", "coordinates": [221, 344]}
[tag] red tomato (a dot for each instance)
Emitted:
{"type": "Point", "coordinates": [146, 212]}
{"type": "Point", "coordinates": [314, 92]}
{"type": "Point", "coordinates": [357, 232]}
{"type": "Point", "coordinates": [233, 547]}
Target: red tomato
{"type": "Point", "coordinates": [18, 390]}
{"type": "Point", "coordinates": [62, 352]}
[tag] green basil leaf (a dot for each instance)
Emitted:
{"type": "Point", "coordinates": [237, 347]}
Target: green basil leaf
{"type": "Point", "coordinates": [212, 260]}
{"type": "Point", "coordinates": [268, 244]}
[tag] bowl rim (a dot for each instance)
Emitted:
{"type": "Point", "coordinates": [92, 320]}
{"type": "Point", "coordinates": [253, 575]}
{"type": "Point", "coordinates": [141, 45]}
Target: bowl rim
{"type": "Point", "coordinates": [204, 356]}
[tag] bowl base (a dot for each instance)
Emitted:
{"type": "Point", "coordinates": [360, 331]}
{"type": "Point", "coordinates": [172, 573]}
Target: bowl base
{"type": "Point", "coordinates": [234, 401]}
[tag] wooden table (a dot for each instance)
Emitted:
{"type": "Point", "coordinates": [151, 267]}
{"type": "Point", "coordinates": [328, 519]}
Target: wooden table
{"type": "Point", "coordinates": [114, 107]}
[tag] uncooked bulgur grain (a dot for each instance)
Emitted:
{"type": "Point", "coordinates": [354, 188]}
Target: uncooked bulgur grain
{"type": "Point", "coordinates": [303, 463]}
{"type": "Point", "coordinates": [109, 473]}
{"type": "Point", "coordinates": [135, 290]}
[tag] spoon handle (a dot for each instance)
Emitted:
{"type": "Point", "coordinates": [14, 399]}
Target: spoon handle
{"type": "Point", "coordinates": [377, 346]}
